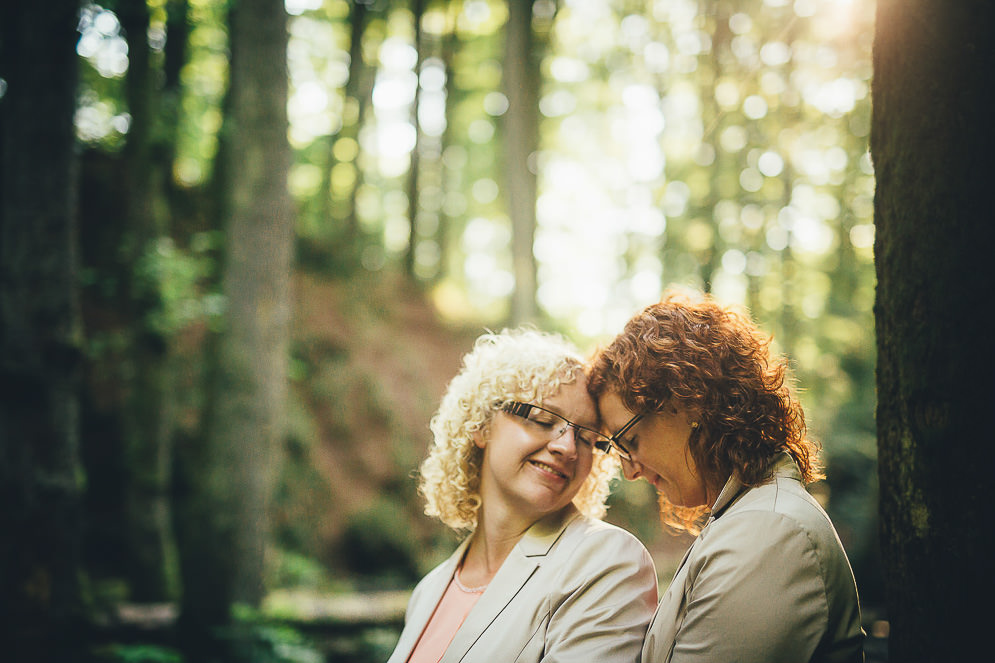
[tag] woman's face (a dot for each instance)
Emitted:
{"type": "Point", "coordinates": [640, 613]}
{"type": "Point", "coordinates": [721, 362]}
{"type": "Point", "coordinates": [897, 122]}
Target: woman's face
{"type": "Point", "coordinates": [524, 475]}
{"type": "Point", "coordinates": [658, 444]}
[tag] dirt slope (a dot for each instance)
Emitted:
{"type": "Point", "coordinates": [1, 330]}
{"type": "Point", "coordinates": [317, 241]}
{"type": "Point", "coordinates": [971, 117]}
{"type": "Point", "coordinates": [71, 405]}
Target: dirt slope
{"type": "Point", "coordinates": [371, 361]}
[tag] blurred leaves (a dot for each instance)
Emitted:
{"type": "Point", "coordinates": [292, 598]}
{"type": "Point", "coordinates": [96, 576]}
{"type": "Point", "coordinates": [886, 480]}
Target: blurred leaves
{"type": "Point", "coordinates": [139, 653]}
{"type": "Point", "coordinates": [177, 279]}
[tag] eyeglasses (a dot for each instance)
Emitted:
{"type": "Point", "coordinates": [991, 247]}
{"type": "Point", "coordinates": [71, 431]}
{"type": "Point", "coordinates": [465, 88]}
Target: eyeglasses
{"type": "Point", "coordinates": [617, 444]}
{"type": "Point", "coordinates": [551, 426]}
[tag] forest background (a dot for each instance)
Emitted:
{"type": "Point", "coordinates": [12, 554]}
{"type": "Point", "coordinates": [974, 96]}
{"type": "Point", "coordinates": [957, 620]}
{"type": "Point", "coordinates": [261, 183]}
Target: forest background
{"type": "Point", "coordinates": [294, 217]}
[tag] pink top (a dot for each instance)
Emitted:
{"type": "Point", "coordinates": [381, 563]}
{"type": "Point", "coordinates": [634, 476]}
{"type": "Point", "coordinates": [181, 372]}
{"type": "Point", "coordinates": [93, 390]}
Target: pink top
{"type": "Point", "coordinates": [449, 614]}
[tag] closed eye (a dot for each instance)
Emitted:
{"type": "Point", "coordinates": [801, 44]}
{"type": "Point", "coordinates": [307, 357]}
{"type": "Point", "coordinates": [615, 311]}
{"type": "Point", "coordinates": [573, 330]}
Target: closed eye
{"type": "Point", "coordinates": [628, 446]}
{"type": "Point", "coordinates": [555, 425]}
{"type": "Point", "coordinates": [544, 421]}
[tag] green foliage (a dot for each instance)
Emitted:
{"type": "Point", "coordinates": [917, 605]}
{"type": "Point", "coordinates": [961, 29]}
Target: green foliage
{"type": "Point", "coordinates": [176, 279]}
{"type": "Point", "coordinates": [334, 259]}
{"type": "Point", "coordinates": [377, 546]}
{"type": "Point", "coordinates": [291, 570]}
{"type": "Point", "coordinates": [205, 81]}
{"type": "Point", "coordinates": [253, 639]}
{"type": "Point", "coordinates": [137, 653]}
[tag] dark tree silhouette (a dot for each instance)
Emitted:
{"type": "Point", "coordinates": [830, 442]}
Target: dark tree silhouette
{"type": "Point", "coordinates": [40, 333]}
{"type": "Point", "coordinates": [932, 144]}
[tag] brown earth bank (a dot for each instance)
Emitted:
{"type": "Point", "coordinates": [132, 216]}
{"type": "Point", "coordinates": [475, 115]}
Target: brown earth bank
{"type": "Point", "coordinates": [370, 361]}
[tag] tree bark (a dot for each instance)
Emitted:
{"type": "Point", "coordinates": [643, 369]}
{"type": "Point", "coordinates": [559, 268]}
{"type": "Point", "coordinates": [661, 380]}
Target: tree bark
{"type": "Point", "coordinates": [225, 519]}
{"type": "Point", "coordinates": [410, 254]}
{"type": "Point", "coordinates": [40, 333]}
{"type": "Point", "coordinates": [359, 94]}
{"type": "Point", "coordinates": [521, 140]}
{"type": "Point", "coordinates": [932, 143]}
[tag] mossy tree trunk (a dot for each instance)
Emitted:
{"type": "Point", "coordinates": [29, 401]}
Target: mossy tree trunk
{"type": "Point", "coordinates": [224, 520]}
{"type": "Point", "coordinates": [521, 141]}
{"type": "Point", "coordinates": [932, 143]}
{"type": "Point", "coordinates": [40, 334]}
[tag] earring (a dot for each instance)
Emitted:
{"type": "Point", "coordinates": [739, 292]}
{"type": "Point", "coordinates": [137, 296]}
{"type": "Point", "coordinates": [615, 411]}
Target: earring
{"type": "Point", "coordinates": [694, 425]}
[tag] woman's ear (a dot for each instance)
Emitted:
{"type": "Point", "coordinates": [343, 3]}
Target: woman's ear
{"type": "Point", "coordinates": [480, 439]}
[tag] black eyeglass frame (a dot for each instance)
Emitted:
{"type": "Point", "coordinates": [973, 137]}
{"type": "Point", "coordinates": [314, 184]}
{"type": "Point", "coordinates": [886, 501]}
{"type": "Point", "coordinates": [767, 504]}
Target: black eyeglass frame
{"type": "Point", "coordinates": [614, 439]}
{"type": "Point", "coordinates": [519, 409]}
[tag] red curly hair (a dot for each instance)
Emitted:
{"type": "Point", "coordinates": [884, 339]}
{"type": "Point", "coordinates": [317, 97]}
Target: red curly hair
{"type": "Point", "coordinates": [714, 363]}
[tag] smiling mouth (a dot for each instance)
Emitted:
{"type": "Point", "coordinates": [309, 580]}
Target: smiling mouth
{"type": "Point", "coordinates": [548, 468]}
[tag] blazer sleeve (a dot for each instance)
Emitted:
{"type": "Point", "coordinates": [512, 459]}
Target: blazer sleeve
{"type": "Point", "coordinates": [602, 603]}
{"type": "Point", "coordinates": [755, 593]}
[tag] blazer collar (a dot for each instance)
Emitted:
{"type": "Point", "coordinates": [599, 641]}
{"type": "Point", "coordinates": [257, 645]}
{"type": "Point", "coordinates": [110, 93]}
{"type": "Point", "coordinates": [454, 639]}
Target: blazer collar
{"type": "Point", "coordinates": [782, 465]}
{"type": "Point", "coordinates": [522, 562]}
{"type": "Point", "coordinates": [539, 539]}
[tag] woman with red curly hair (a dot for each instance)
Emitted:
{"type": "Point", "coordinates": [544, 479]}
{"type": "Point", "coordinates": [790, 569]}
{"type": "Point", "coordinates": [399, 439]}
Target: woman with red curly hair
{"type": "Point", "coordinates": [702, 411]}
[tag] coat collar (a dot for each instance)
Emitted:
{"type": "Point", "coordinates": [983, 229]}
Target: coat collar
{"type": "Point", "coordinates": [539, 539]}
{"type": "Point", "coordinates": [522, 562]}
{"type": "Point", "coordinates": [782, 466]}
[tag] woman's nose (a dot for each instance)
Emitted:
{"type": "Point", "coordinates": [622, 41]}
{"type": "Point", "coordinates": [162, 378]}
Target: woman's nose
{"type": "Point", "coordinates": [565, 443]}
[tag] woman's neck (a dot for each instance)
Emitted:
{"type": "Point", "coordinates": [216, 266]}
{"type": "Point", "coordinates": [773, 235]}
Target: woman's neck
{"type": "Point", "coordinates": [492, 542]}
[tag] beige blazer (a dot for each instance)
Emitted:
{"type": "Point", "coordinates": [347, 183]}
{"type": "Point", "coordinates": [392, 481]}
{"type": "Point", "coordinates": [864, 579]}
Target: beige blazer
{"type": "Point", "coordinates": [766, 581]}
{"type": "Point", "coordinates": [573, 589]}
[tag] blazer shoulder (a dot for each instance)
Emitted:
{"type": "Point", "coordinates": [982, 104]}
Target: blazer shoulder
{"type": "Point", "coordinates": [778, 520]}
{"type": "Point", "coordinates": [593, 546]}
{"type": "Point", "coordinates": [786, 497]}
{"type": "Point", "coordinates": [597, 533]}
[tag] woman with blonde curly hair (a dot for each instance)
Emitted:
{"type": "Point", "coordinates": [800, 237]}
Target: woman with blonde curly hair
{"type": "Point", "coordinates": [517, 460]}
{"type": "Point", "coordinates": [705, 414]}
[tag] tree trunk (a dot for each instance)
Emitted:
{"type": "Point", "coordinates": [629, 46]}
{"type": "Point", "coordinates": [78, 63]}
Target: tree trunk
{"type": "Point", "coordinates": [449, 178]}
{"type": "Point", "coordinates": [359, 93]}
{"type": "Point", "coordinates": [146, 423]}
{"type": "Point", "coordinates": [724, 163]}
{"type": "Point", "coordinates": [932, 143]}
{"type": "Point", "coordinates": [521, 139]}
{"type": "Point", "coordinates": [332, 206]}
{"type": "Point", "coordinates": [225, 519]}
{"type": "Point", "coordinates": [175, 55]}
{"type": "Point", "coordinates": [40, 333]}
{"type": "Point", "coordinates": [410, 254]}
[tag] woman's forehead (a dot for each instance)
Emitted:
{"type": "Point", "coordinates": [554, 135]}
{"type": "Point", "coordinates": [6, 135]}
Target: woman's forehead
{"type": "Point", "coordinates": [571, 398]}
{"type": "Point", "coordinates": [612, 408]}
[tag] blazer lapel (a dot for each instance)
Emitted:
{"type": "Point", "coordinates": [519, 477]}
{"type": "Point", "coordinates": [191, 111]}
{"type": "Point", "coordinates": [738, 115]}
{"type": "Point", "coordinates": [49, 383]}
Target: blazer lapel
{"type": "Point", "coordinates": [522, 562]}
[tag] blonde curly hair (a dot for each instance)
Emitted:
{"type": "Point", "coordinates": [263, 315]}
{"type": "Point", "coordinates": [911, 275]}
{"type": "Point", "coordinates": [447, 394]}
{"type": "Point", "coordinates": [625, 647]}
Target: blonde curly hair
{"type": "Point", "coordinates": [513, 365]}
